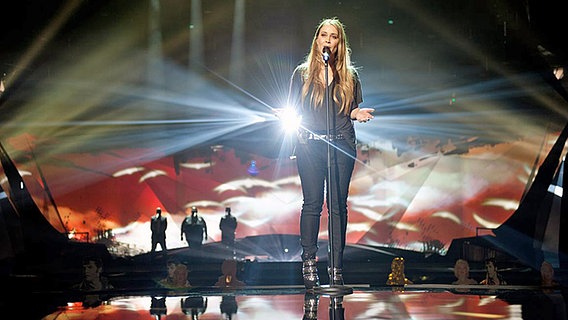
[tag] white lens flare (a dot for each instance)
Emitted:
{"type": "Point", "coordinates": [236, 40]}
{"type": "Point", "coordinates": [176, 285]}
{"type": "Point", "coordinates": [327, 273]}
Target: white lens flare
{"type": "Point", "coordinates": [290, 121]}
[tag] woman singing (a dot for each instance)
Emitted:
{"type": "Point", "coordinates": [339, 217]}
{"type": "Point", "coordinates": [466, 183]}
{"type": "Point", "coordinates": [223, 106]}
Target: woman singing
{"type": "Point", "coordinates": [327, 69]}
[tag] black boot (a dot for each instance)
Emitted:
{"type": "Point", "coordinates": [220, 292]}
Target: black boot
{"type": "Point", "coordinates": [335, 276]}
{"type": "Point", "coordinates": [310, 273]}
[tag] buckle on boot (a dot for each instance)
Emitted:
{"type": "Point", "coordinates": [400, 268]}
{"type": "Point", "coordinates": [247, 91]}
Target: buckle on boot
{"type": "Point", "coordinates": [335, 276]}
{"type": "Point", "coordinates": [310, 273]}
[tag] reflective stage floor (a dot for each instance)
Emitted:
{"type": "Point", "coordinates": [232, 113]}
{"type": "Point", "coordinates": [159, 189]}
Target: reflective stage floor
{"type": "Point", "coordinates": [293, 302]}
{"type": "Point", "coordinates": [274, 290]}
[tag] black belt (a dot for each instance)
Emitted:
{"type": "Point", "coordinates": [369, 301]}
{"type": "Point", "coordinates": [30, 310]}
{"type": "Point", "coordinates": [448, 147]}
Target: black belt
{"type": "Point", "coordinates": [330, 137]}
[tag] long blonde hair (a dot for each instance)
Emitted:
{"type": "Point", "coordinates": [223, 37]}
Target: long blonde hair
{"type": "Point", "coordinates": [344, 72]}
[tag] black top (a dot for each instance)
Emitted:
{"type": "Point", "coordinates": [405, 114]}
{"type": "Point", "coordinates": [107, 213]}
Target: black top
{"type": "Point", "coordinates": [314, 119]}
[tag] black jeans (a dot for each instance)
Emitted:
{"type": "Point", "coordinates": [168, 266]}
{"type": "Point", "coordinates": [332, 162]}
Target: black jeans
{"type": "Point", "coordinates": [312, 164]}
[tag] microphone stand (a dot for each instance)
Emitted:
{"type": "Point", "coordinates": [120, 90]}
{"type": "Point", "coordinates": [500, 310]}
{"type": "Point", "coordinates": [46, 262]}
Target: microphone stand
{"type": "Point", "coordinates": [333, 289]}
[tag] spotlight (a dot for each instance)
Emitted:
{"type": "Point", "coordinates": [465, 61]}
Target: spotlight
{"type": "Point", "coordinates": [290, 121]}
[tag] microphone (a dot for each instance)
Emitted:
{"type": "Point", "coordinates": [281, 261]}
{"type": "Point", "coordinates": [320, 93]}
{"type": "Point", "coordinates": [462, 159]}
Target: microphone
{"type": "Point", "coordinates": [326, 54]}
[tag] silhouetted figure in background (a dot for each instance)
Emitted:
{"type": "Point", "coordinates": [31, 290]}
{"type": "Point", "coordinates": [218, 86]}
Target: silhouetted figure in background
{"type": "Point", "coordinates": [397, 276]}
{"type": "Point", "coordinates": [492, 276]}
{"type": "Point", "coordinates": [228, 226]}
{"type": "Point", "coordinates": [158, 225]}
{"type": "Point", "coordinates": [461, 271]}
{"type": "Point", "coordinates": [194, 228]}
